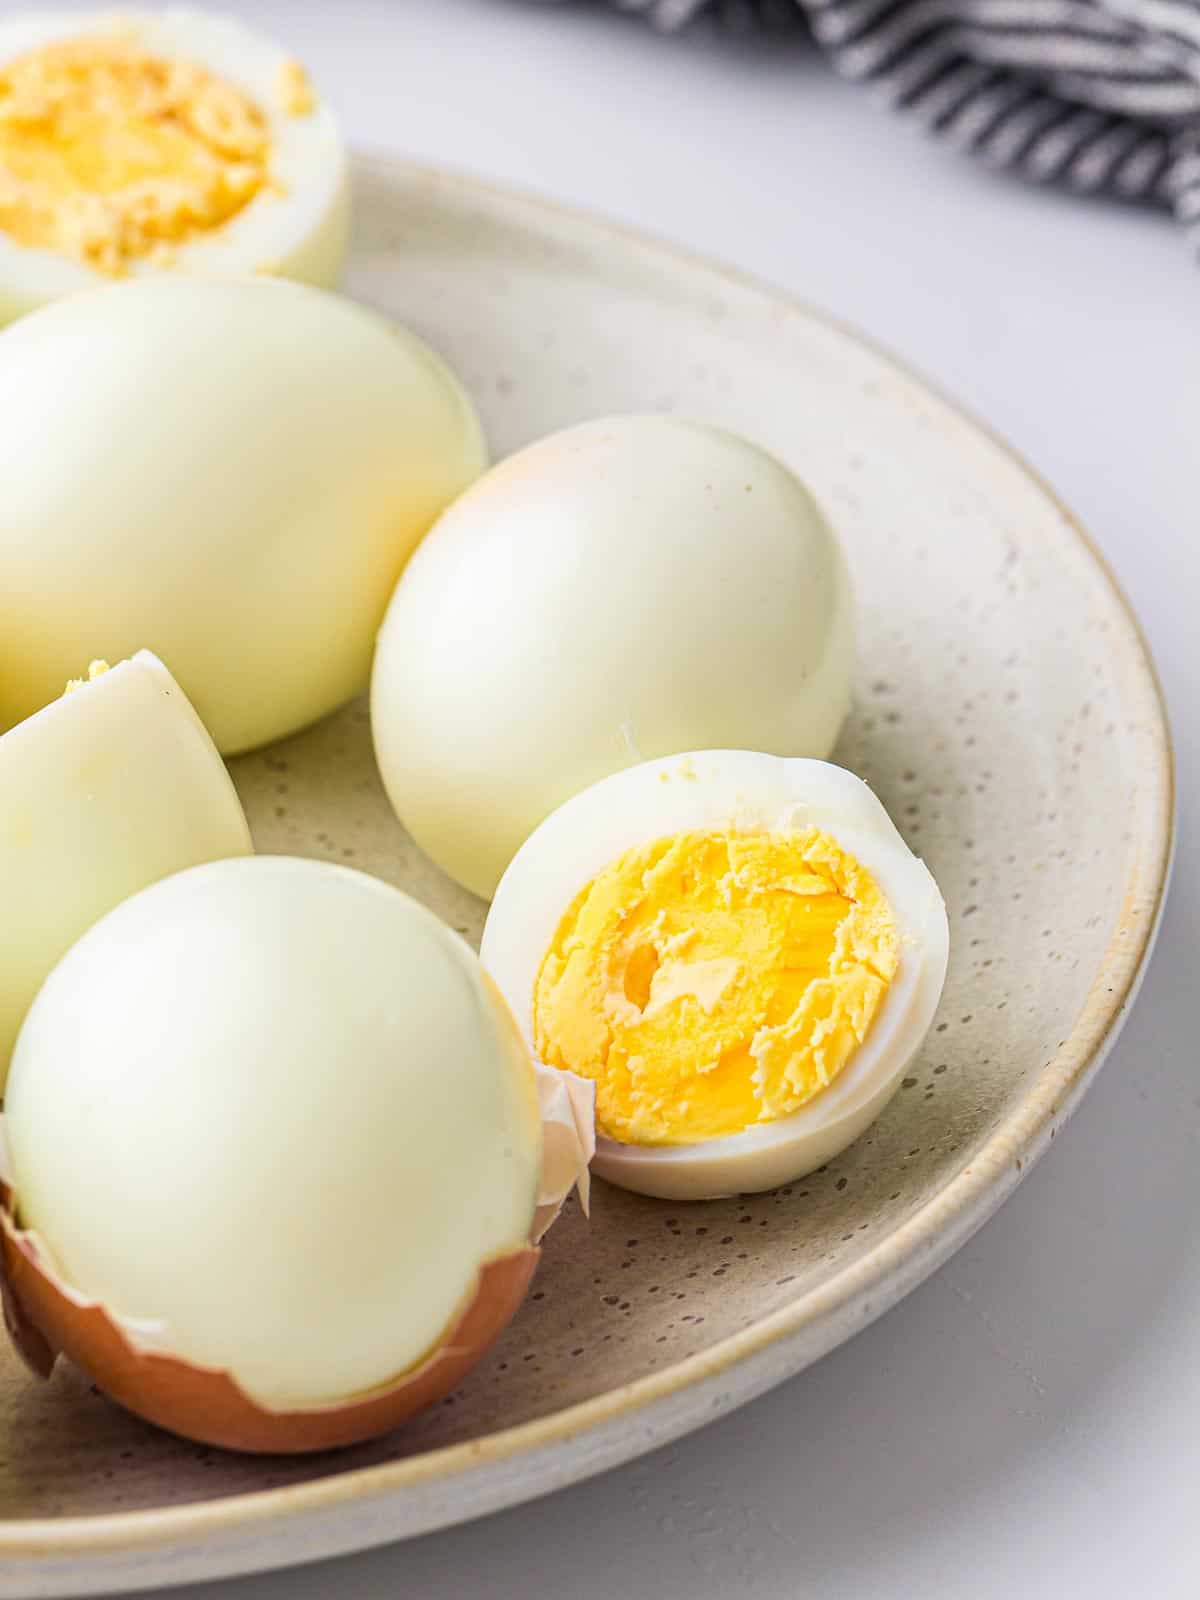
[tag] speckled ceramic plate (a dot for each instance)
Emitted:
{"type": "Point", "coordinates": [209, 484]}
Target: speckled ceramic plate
{"type": "Point", "coordinates": [1009, 717]}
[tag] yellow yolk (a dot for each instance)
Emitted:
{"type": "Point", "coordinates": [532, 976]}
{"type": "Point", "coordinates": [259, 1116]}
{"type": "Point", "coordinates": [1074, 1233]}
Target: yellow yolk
{"type": "Point", "coordinates": [110, 155]}
{"type": "Point", "coordinates": [711, 981]}
{"type": "Point", "coordinates": [294, 90]}
{"type": "Point", "coordinates": [96, 669]}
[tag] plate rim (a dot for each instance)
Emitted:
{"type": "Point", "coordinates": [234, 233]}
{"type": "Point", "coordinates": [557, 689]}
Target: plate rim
{"type": "Point", "coordinates": [881, 1276]}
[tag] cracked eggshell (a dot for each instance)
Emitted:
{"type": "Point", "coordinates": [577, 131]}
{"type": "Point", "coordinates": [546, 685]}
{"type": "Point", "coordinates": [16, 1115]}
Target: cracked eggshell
{"type": "Point", "coordinates": [230, 472]}
{"type": "Point", "coordinates": [627, 589]}
{"type": "Point", "coordinates": [329, 1144]}
{"type": "Point", "coordinates": [567, 1104]}
{"type": "Point", "coordinates": [105, 790]}
{"type": "Point", "coordinates": [46, 1319]}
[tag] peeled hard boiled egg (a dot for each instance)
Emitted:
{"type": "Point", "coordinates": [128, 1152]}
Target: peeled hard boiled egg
{"type": "Point", "coordinates": [106, 790]}
{"type": "Point", "coordinates": [627, 589]}
{"type": "Point", "coordinates": [148, 141]}
{"type": "Point", "coordinates": [276, 1155]}
{"type": "Point", "coordinates": [741, 953]}
{"type": "Point", "coordinates": [229, 472]}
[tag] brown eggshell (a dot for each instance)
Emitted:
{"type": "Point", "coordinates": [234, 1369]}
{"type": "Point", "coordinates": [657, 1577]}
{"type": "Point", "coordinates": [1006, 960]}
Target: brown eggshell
{"type": "Point", "coordinates": [45, 1320]}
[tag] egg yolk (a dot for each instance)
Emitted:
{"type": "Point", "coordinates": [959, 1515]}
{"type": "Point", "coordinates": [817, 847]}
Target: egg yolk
{"type": "Point", "coordinates": [96, 669]}
{"type": "Point", "coordinates": [711, 981]}
{"type": "Point", "coordinates": [110, 155]}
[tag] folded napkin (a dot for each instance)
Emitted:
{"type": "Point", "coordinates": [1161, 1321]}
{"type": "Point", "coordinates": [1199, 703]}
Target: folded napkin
{"type": "Point", "coordinates": [1100, 96]}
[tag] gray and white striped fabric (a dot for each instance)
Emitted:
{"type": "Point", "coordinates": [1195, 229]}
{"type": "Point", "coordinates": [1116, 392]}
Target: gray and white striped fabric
{"type": "Point", "coordinates": [1101, 96]}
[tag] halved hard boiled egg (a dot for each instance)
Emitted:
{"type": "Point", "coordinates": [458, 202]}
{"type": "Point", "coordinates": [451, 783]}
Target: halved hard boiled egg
{"type": "Point", "coordinates": [148, 141]}
{"type": "Point", "coordinates": [738, 950]}
{"type": "Point", "coordinates": [276, 1157]}
{"type": "Point", "coordinates": [107, 789]}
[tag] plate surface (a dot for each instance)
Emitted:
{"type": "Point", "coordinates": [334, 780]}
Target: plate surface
{"type": "Point", "coordinates": [1008, 716]}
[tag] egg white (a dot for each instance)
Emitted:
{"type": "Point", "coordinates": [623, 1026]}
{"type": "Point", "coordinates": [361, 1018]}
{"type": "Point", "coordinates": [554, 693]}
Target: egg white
{"type": "Point", "coordinates": [229, 471]}
{"type": "Point", "coordinates": [741, 790]}
{"type": "Point", "coordinates": [102, 792]}
{"type": "Point", "coordinates": [300, 232]}
{"type": "Point", "coordinates": [623, 589]}
{"type": "Point", "coordinates": [304, 1116]}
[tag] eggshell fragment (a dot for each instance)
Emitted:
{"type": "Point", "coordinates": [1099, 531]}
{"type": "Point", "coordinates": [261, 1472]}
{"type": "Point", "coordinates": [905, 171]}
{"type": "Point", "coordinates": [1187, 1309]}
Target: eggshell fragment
{"type": "Point", "coordinates": [568, 1106]}
{"type": "Point", "coordinates": [46, 1319]}
{"type": "Point", "coordinates": [30, 1344]}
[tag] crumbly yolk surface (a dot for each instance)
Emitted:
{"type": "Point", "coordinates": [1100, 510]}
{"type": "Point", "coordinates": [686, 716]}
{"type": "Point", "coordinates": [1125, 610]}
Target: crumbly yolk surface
{"type": "Point", "coordinates": [96, 669]}
{"type": "Point", "coordinates": [110, 155]}
{"type": "Point", "coordinates": [714, 980]}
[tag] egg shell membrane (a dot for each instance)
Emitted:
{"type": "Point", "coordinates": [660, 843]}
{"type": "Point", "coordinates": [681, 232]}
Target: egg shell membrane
{"type": "Point", "coordinates": [567, 1104]}
{"type": "Point", "coordinates": [46, 1320]}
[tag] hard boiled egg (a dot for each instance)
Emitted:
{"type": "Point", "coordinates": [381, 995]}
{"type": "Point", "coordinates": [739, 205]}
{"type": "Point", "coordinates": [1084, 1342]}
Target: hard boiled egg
{"type": "Point", "coordinates": [229, 472]}
{"type": "Point", "coordinates": [276, 1156]}
{"type": "Point", "coordinates": [740, 951]}
{"type": "Point", "coordinates": [106, 790]}
{"type": "Point", "coordinates": [627, 589]}
{"type": "Point", "coordinates": [148, 141]}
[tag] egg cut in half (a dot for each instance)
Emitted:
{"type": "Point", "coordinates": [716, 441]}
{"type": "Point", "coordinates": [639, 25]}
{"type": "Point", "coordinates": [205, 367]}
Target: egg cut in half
{"type": "Point", "coordinates": [145, 141]}
{"type": "Point", "coordinates": [738, 949]}
{"type": "Point", "coordinates": [104, 791]}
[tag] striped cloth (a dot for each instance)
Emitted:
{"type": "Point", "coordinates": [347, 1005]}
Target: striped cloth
{"type": "Point", "coordinates": [1101, 96]}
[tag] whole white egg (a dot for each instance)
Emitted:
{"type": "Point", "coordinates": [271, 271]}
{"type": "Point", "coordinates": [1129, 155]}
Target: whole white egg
{"type": "Point", "coordinates": [739, 950]}
{"type": "Point", "coordinates": [229, 472]}
{"type": "Point", "coordinates": [626, 589]}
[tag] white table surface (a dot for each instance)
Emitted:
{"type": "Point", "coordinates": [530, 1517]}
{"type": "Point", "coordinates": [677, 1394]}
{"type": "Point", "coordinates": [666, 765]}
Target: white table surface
{"type": "Point", "coordinates": [1028, 1422]}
